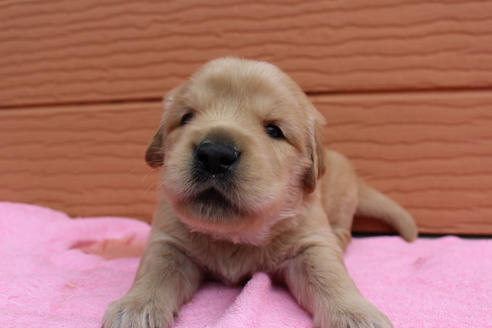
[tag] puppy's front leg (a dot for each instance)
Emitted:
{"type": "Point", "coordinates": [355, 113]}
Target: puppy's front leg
{"type": "Point", "coordinates": [319, 281]}
{"type": "Point", "coordinates": [165, 280]}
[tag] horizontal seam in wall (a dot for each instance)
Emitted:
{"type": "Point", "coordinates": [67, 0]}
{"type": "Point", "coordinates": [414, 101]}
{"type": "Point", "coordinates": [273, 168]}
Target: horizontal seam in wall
{"type": "Point", "coordinates": [422, 91]}
{"type": "Point", "coordinates": [355, 93]}
{"type": "Point", "coordinates": [123, 101]}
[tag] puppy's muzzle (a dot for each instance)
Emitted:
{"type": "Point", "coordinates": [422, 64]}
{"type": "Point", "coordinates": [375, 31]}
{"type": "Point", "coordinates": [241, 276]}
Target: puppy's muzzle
{"type": "Point", "coordinates": [216, 158]}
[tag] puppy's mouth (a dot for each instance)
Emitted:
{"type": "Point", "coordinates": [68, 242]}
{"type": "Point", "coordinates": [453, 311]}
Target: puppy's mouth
{"type": "Point", "coordinates": [212, 197]}
{"type": "Point", "coordinates": [212, 204]}
{"type": "Point", "coordinates": [212, 181]}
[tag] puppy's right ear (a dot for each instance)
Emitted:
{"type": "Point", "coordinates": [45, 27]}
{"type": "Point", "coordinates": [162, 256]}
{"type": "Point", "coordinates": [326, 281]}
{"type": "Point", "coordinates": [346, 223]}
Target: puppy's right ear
{"type": "Point", "coordinates": [154, 155]}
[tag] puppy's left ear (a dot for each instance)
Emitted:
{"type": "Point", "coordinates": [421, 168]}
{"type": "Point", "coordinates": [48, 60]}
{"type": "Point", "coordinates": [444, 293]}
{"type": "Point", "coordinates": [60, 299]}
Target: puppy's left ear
{"type": "Point", "coordinates": [316, 151]}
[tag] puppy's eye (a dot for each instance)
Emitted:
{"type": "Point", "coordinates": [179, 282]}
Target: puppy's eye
{"type": "Point", "coordinates": [274, 131]}
{"type": "Point", "coordinates": [185, 118]}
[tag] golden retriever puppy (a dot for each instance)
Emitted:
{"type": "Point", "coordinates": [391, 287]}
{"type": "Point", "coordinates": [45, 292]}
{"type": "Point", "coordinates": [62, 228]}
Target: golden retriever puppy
{"type": "Point", "coordinates": [247, 186]}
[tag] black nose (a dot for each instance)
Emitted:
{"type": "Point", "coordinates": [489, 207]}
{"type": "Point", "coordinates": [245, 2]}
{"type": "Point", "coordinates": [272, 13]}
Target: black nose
{"type": "Point", "coordinates": [216, 158]}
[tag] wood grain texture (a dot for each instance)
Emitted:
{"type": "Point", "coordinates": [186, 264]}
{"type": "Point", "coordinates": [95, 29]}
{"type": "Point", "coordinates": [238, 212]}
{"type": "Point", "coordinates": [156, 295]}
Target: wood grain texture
{"type": "Point", "coordinates": [431, 152]}
{"type": "Point", "coordinates": [93, 51]}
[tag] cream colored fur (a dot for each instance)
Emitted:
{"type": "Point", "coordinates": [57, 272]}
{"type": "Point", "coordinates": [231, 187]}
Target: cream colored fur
{"type": "Point", "coordinates": [294, 203]}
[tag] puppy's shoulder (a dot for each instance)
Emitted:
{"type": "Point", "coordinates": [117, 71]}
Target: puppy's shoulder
{"type": "Point", "coordinates": [336, 160]}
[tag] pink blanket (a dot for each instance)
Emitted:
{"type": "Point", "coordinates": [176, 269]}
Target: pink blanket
{"type": "Point", "coordinates": [50, 277]}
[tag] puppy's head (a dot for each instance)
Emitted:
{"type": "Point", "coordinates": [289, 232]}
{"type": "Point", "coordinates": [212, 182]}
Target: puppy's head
{"type": "Point", "coordinates": [239, 148]}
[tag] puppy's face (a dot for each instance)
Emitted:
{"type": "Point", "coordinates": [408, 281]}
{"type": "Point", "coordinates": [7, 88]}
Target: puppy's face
{"type": "Point", "coordinates": [237, 146]}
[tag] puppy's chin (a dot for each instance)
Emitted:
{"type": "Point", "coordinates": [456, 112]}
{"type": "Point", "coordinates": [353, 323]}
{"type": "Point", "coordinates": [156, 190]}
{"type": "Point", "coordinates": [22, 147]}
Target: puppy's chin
{"type": "Point", "coordinates": [225, 209]}
{"type": "Point", "coordinates": [212, 213]}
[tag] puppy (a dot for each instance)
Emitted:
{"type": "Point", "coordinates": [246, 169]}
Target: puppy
{"type": "Point", "coordinates": [247, 186]}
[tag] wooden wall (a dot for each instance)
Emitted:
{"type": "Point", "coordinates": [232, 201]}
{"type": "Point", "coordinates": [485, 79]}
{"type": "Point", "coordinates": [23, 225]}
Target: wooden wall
{"type": "Point", "coordinates": [406, 87]}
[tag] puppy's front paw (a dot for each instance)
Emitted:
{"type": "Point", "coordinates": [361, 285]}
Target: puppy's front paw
{"type": "Point", "coordinates": [355, 312]}
{"type": "Point", "coordinates": [132, 312]}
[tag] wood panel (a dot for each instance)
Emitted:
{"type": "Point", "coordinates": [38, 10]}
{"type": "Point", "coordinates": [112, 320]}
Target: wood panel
{"type": "Point", "coordinates": [93, 51]}
{"type": "Point", "coordinates": [85, 160]}
{"type": "Point", "coordinates": [429, 151]}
